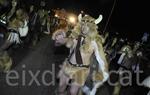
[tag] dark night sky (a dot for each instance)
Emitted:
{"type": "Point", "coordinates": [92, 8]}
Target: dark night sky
{"type": "Point", "coordinates": [130, 17]}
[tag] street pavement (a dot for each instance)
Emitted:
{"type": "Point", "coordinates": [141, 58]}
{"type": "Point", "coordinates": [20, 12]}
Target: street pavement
{"type": "Point", "coordinates": [34, 71]}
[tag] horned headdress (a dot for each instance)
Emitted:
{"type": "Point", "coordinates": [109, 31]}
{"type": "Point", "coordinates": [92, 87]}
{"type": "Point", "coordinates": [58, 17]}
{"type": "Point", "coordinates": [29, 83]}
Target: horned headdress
{"type": "Point", "coordinates": [90, 19]}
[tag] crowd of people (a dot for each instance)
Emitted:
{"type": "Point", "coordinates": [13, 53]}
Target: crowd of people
{"type": "Point", "coordinates": [93, 55]}
{"type": "Point", "coordinates": [23, 27]}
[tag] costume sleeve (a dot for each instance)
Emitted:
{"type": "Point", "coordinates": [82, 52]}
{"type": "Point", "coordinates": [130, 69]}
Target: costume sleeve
{"type": "Point", "coordinates": [101, 63]}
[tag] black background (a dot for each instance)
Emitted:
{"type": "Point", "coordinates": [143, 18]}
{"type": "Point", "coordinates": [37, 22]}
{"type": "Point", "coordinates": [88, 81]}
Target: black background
{"type": "Point", "coordinates": [130, 17]}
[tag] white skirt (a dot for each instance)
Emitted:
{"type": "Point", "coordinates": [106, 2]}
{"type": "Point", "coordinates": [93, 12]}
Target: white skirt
{"type": "Point", "coordinates": [146, 82]}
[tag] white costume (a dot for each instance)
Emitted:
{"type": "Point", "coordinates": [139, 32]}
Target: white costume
{"type": "Point", "coordinates": [14, 36]}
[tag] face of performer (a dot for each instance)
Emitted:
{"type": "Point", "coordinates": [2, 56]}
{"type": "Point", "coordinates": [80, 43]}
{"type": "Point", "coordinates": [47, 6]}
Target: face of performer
{"type": "Point", "coordinates": [31, 8]}
{"type": "Point", "coordinates": [19, 12]}
{"type": "Point", "coordinates": [137, 45]}
{"type": "Point", "coordinates": [14, 3]}
{"type": "Point", "coordinates": [84, 28]}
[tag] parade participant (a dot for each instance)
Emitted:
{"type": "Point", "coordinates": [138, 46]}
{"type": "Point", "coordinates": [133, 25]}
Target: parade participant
{"type": "Point", "coordinates": [5, 59]}
{"type": "Point", "coordinates": [76, 67]}
{"type": "Point", "coordinates": [23, 17]}
{"type": "Point", "coordinates": [59, 38]}
{"type": "Point", "coordinates": [17, 29]}
{"type": "Point", "coordinates": [34, 25]}
{"type": "Point", "coordinates": [130, 55]}
{"type": "Point", "coordinates": [59, 35]}
{"type": "Point", "coordinates": [5, 18]}
{"type": "Point", "coordinates": [125, 63]}
{"type": "Point", "coordinates": [5, 62]}
{"type": "Point", "coordinates": [59, 43]}
{"type": "Point", "coordinates": [12, 11]}
{"type": "Point", "coordinates": [111, 50]}
{"type": "Point", "coordinates": [43, 22]}
{"type": "Point", "coordinates": [125, 60]}
{"type": "Point", "coordinates": [128, 61]}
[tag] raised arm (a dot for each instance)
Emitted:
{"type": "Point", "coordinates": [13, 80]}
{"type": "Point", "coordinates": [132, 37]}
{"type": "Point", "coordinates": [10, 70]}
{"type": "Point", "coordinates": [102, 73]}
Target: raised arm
{"type": "Point", "coordinates": [12, 11]}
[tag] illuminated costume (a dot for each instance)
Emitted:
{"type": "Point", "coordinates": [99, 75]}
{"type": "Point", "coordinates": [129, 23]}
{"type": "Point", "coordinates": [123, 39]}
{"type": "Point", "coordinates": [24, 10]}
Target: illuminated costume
{"type": "Point", "coordinates": [84, 42]}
